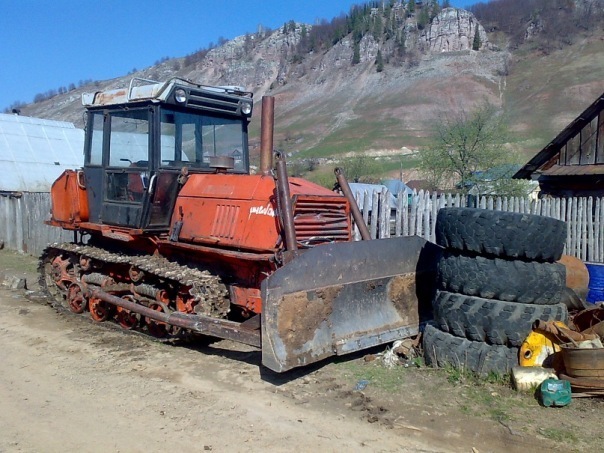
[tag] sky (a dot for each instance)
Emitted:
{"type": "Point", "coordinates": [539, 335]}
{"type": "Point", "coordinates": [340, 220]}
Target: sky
{"type": "Point", "coordinates": [47, 44]}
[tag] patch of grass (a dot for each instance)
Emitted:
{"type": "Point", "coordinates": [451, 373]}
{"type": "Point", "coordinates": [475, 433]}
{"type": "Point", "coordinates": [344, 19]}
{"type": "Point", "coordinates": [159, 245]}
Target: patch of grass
{"type": "Point", "coordinates": [17, 262]}
{"type": "Point", "coordinates": [558, 435]}
{"type": "Point", "coordinates": [461, 375]}
{"type": "Point", "coordinates": [389, 379]}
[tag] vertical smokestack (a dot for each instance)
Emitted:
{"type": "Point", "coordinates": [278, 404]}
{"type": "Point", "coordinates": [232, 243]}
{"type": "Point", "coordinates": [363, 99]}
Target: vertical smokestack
{"type": "Point", "coordinates": [266, 134]}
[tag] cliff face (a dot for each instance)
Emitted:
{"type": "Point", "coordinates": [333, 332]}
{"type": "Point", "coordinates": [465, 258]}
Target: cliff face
{"type": "Point", "coordinates": [454, 30]}
{"type": "Point", "coordinates": [326, 104]}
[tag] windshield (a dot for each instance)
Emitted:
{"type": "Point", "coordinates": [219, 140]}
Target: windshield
{"type": "Point", "coordinates": [191, 140]}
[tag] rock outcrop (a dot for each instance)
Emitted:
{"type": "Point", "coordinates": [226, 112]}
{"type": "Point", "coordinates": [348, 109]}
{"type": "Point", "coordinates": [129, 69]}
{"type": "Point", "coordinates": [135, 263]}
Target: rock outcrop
{"type": "Point", "coordinates": [453, 30]}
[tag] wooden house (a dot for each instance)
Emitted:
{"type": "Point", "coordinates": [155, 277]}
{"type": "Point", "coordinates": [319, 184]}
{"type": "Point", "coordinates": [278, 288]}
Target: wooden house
{"type": "Point", "coordinates": [572, 164]}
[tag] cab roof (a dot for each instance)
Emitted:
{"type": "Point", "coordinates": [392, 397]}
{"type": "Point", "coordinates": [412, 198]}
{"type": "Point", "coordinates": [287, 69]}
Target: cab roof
{"type": "Point", "coordinates": [150, 90]}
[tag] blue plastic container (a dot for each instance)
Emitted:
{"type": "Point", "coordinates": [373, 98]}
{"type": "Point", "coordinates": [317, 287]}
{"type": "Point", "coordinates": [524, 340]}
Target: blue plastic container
{"type": "Point", "coordinates": [596, 282]}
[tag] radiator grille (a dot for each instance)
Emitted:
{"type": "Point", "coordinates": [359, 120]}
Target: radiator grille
{"type": "Point", "coordinates": [321, 219]}
{"type": "Point", "coordinates": [214, 102]}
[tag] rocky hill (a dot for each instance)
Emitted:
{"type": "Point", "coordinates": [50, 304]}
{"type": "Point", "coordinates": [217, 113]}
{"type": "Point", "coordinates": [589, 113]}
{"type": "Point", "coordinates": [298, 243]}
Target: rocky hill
{"type": "Point", "coordinates": [381, 85]}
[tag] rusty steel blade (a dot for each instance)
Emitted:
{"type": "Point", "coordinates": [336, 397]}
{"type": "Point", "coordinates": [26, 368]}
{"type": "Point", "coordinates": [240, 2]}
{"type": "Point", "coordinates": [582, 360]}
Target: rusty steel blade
{"type": "Point", "coordinates": [343, 297]}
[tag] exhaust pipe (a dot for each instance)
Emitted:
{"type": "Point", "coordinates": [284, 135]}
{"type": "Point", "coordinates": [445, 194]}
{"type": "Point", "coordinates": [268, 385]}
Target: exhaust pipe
{"type": "Point", "coordinates": [266, 135]}
{"type": "Point", "coordinates": [354, 207]}
{"type": "Point", "coordinates": [285, 204]}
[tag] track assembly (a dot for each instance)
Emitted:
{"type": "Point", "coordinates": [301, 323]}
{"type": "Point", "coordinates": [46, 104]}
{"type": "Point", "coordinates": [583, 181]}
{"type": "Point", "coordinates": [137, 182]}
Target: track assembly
{"type": "Point", "coordinates": [73, 274]}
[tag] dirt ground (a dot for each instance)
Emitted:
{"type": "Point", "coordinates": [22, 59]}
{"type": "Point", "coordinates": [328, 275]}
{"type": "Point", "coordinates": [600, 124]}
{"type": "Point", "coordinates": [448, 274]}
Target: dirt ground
{"type": "Point", "coordinates": [68, 384]}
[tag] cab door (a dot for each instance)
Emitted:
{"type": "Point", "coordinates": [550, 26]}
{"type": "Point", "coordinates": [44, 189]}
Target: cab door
{"type": "Point", "coordinates": [127, 167]}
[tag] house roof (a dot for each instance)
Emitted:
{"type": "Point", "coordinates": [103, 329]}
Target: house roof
{"type": "Point", "coordinates": [551, 150]}
{"type": "Point", "coordinates": [34, 152]}
{"type": "Point", "coordinates": [573, 170]}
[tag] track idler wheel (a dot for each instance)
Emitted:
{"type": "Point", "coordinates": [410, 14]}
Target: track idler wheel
{"type": "Point", "coordinates": [76, 298]}
{"type": "Point", "coordinates": [125, 318]}
{"type": "Point", "coordinates": [60, 272]}
{"type": "Point", "coordinates": [99, 310]}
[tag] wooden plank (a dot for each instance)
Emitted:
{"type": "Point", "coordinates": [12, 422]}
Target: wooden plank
{"type": "Point", "coordinates": [587, 153]}
{"type": "Point", "coordinates": [405, 219]}
{"type": "Point", "coordinates": [600, 139]}
{"type": "Point", "coordinates": [420, 214]}
{"type": "Point", "coordinates": [583, 231]}
{"type": "Point", "coordinates": [601, 229]}
{"type": "Point", "coordinates": [387, 212]}
{"type": "Point", "coordinates": [573, 151]}
{"type": "Point", "coordinates": [571, 227]}
{"type": "Point", "coordinates": [564, 216]}
{"type": "Point", "coordinates": [413, 214]}
{"type": "Point", "coordinates": [428, 217]}
{"type": "Point", "coordinates": [590, 229]}
{"type": "Point", "coordinates": [562, 156]}
{"type": "Point", "coordinates": [436, 200]}
{"type": "Point", "coordinates": [366, 203]}
{"type": "Point", "coordinates": [356, 233]}
{"type": "Point", "coordinates": [402, 197]}
{"type": "Point", "coordinates": [375, 214]}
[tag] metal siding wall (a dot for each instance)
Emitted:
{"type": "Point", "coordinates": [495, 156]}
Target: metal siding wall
{"type": "Point", "coordinates": [22, 225]}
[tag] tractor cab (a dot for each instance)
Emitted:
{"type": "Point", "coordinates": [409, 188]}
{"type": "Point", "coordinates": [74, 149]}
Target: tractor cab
{"type": "Point", "coordinates": [142, 141]}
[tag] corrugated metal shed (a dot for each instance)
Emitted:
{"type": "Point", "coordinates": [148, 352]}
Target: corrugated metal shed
{"type": "Point", "coordinates": [34, 152]}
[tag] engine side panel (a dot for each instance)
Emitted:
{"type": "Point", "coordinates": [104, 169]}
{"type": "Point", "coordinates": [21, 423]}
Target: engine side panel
{"type": "Point", "coordinates": [241, 211]}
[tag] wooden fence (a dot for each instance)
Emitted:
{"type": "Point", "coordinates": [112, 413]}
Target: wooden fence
{"type": "Point", "coordinates": [22, 226]}
{"type": "Point", "coordinates": [416, 215]}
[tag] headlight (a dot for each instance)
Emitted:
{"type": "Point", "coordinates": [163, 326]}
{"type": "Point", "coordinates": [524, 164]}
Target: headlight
{"type": "Point", "coordinates": [246, 108]}
{"type": "Point", "coordinates": [180, 95]}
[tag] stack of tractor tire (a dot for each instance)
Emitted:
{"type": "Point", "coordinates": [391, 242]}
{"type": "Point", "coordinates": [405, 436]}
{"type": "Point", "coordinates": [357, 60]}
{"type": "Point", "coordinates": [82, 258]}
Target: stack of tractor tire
{"type": "Point", "coordinates": [498, 274]}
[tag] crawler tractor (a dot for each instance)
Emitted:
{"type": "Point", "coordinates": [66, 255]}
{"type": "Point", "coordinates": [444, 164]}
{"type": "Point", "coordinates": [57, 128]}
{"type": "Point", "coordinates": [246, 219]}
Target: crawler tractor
{"type": "Point", "coordinates": [173, 236]}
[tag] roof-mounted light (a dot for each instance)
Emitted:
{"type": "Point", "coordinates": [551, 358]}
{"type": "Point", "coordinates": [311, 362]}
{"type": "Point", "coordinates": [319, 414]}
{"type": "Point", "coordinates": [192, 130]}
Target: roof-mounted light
{"type": "Point", "coordinates": [180, 96]}
{"type": "Point", "coordinates": [246, 107]}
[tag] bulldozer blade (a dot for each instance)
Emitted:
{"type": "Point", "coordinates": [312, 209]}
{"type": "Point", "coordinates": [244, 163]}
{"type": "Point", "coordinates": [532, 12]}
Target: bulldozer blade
{"type": "Point", "coordinates": [344, 297]}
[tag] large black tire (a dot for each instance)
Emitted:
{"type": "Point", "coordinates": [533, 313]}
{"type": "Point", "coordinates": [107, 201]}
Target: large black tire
{"type": "Point", "coordinates": [527, 282]}
{"type": "Point", "coordinates": [501, 234]}
{"type": "Point", "coordinates": [491, 321]}
{"type": "Point", "coordinates": [441, 348]}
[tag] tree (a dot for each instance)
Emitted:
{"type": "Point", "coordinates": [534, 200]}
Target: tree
{"type": "Point", "coordinates": [356, 53]}
{"type": "Point", "coordinates": [248, 44]}
{"type": "Point", "coordinates": [464, 145]}
{"type": "Point", "coordinates": [379, 62]}
{"type": "Point", "coordinates": [359, 168]}
{"type": "Point", "coordinates": [476, 43]}
{"type": "Point", "coordinates": [400, 45]}
{"type": "Point", "coordinates": [423, 18]}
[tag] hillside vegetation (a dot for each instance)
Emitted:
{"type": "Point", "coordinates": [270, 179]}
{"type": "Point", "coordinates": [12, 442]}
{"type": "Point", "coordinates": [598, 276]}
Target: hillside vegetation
{"type": "Point", "coordinates": [378, 80]}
